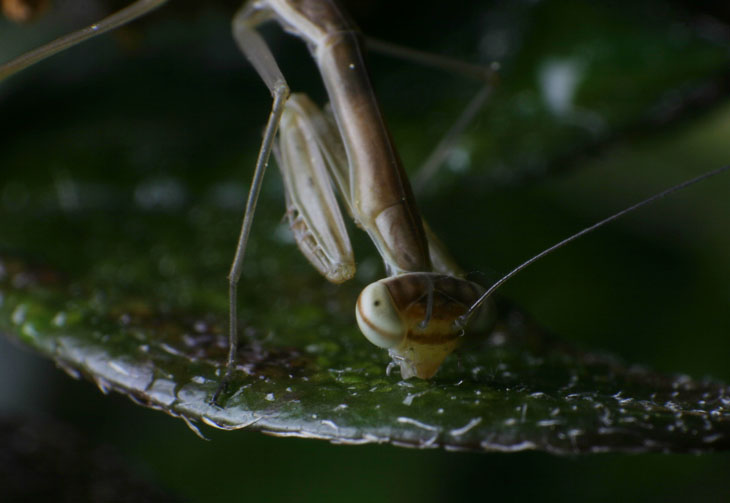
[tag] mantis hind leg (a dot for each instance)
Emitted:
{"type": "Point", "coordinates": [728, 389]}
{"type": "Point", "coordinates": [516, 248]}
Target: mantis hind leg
{"type": "Point", "coordinates": [488, 74]}
{"type": "Point", "coordinates": [280, 96]}
{"type": "Point", "coordinates": [115, 20]}
{"type": "Point", "coordinates": [257, 52]}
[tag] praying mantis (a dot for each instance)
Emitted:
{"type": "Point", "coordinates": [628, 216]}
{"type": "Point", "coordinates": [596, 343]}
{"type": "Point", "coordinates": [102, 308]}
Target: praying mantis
{"type": "Point", "coordinates": [420, 262]}
{"type": "Point", "coordinates": [411, 313]}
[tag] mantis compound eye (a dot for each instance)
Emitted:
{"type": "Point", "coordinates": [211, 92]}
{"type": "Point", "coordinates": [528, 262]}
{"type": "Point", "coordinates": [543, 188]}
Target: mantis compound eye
{"type": "Point", "coordinates": [378, 318]}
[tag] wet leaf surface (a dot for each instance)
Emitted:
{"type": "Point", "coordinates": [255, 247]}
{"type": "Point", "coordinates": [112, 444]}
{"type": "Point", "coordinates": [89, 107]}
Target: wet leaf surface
{"type": "Point", "coordinates": [522, 389]}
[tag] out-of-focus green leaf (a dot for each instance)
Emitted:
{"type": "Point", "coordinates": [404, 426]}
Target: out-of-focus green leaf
{"type": "Point", "coordinates": [574, 77]}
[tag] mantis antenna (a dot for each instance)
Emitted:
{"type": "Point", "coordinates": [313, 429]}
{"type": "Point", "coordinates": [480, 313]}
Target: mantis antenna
{"type": "Point", "coordinates": [462, 321]}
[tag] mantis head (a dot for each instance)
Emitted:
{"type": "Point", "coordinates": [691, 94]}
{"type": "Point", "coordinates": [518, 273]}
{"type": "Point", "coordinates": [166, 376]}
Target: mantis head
{"type": "Point", "coordinates": [414, 317]}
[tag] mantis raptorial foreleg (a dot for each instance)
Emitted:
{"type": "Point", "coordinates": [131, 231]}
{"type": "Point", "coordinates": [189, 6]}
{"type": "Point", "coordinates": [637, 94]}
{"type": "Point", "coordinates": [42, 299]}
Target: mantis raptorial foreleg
{"type": "Point", "coordinates": [312, 160]}
{"type": "Point", "coordinates": [350, 149]}
{"type": "Point", "coordinates": [417, 307]}
{"type": "Point", "coordinates": [309, 154]}
{"type": "Point", "coordinates": [420, 304]}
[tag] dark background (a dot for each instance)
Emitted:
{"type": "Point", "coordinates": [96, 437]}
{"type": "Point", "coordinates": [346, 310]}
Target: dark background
{"type": "Point", "coordinates": [171, 96]}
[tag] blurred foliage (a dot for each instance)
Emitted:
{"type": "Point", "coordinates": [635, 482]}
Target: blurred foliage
{"type": "Point", "coordinates": [124, 166]}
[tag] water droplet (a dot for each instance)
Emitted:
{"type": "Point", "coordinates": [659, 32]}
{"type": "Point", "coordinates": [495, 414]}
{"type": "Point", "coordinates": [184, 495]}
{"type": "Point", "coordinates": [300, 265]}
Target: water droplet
{"type": "Point", "coordinates": [331, 424]}
{"type": "Point", "coordinates": [468, 426]}
{"type": "Point", "coordinates": [408, 400]}
{"type": "Point", "coordinates": [549, 422]}
{"type": "Point", "coordinates": [415, 422]}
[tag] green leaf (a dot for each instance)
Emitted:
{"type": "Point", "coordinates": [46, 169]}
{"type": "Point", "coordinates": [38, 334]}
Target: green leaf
{"type": "Point", "coordinates": [520, 390]}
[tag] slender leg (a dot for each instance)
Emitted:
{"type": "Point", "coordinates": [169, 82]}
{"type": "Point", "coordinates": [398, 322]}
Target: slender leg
{"type": "Point", "coordinates": [255, 49]}
{"type": "Point", "coordinates": [280, 96]}
{"type": "Point", "coordinates": [115, 20]}
{"type": "Point", "coordinates": [487, 74]}
{"type": "Point", "coordinates": [447, 143]}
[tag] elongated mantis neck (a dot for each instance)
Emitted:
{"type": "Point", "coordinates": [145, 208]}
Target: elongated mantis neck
{"type": "Point", "coordinates": [462, 321]}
